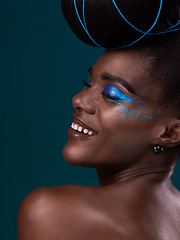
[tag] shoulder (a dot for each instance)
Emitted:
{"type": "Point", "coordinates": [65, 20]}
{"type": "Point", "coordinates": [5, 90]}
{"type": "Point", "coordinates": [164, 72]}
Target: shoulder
{"type": "Point", "coordinates": [47, 213]}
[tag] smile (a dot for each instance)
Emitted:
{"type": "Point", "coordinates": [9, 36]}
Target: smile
{"type": "Point", "coordinates": [80, 128]}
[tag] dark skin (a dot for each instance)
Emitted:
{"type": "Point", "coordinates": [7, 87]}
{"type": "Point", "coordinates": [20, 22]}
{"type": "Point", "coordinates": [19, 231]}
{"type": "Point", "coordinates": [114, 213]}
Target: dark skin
{"type": "Point", "coordinates": [135, 199]}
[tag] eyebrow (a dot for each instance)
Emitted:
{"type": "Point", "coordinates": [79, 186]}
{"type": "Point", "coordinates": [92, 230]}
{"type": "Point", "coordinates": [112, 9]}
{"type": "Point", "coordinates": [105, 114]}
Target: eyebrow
{"type": "Point", "coordinates": [111, 77]}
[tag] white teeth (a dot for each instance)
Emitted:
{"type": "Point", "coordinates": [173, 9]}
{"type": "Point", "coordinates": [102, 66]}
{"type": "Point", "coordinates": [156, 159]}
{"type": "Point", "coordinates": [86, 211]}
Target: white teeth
{"type": "Point", "coordinates": [75, 127]}
{"type": "Point", "coordinates": [78, 128]}
{"type": "Point", "coordinates": [85, 131]}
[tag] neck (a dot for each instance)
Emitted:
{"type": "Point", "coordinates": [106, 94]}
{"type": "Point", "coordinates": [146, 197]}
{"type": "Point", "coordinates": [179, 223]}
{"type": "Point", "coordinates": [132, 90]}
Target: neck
{"type": "Point", "coordinates": [107, 177]}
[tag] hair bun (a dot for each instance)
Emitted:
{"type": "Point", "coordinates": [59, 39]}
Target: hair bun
{"type": "Point", "coordinates": [109, 29]}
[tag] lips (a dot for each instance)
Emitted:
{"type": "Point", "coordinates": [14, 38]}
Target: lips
{"type": "Point", "coordinates": [79, 126]}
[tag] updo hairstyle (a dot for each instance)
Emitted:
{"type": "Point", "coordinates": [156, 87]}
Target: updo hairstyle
{"type": "Point", "coordinates": [107, 27]}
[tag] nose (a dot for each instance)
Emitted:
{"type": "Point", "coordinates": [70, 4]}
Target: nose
{"type": "Point", "coordinates": [84, 101]}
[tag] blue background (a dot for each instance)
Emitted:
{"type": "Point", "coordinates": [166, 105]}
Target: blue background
{"type": "Point", "coordinates": [42, 65]}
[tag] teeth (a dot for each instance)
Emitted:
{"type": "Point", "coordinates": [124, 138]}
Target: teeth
{"type": "Point", "coordinates": [85, 131]}
{"type": "Point", "coordinates": [75, 127]}
{"type": "Point", "coordinates": [78, 128]}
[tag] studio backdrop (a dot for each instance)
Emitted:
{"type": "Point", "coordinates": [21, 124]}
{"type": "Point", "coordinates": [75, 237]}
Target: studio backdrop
{"type": "Point", "coordinates": [42, 67]}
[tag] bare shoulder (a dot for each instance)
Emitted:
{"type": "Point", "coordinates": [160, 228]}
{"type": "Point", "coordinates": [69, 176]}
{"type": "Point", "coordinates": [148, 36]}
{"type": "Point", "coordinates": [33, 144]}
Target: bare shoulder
{"type": "Point", "coordinates": [47, 213]}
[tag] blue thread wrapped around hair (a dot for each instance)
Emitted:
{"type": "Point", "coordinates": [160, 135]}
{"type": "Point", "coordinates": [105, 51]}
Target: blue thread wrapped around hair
{"type": "Point", "coordinates": [144, 33]}
{"type": "Point", "coordinates": [170, 29]}
{"type": "Point", "coordinates": [115, 24]}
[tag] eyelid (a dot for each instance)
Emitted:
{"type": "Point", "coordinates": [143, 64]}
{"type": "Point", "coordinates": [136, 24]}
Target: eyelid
{"type": "Point", "coordinates": [118, 95]}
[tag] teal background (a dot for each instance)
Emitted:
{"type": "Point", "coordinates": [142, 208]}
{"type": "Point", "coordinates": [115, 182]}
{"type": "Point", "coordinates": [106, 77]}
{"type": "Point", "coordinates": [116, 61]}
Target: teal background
{"type": "Point", "coordinates": [42, 64]}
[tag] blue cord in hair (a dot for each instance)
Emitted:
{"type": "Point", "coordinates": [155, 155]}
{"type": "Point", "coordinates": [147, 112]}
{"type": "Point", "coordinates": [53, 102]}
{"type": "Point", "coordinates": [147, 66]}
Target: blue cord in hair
{"type": "Point", "coordinates": [159, 11]}
{"type": "Point", "coordinates": [170, 29]}
{"type": "Point", "coordinates": [84, 25]}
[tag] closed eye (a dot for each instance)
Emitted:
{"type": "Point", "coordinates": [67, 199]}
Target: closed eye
{"type": "Point", "coordinates": [115, 95]}
{"type": "Point", "coordinates": [88, 83]}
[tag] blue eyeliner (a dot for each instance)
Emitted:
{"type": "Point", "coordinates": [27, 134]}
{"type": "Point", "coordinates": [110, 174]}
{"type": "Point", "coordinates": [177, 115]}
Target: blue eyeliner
{"type": "Point", "coordinates": [115, 95]}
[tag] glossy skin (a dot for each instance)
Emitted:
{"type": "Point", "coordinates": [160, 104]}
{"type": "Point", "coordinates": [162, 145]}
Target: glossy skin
{"type": "Point", "coordinates": [135, 199]}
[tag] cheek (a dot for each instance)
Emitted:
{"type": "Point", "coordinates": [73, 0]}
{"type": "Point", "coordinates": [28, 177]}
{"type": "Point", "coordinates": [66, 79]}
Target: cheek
{"type": "Point", "coordinates": [122, 144]}
{"type": "Point", "coordinates": [121, 137]}
{"type": "Point", "coordinates": [126, 114]}
{"type": "Point", "coordinates": [136, 111]}
{"type": "Point", "coordinates": [123, 128]}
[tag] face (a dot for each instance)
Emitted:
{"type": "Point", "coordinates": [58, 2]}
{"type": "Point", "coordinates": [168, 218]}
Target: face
{"type": "Point", "coordinates": [113, 117]}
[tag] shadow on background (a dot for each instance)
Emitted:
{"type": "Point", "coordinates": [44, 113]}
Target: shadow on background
{"type": "Point", "coordinates": [42, 66]}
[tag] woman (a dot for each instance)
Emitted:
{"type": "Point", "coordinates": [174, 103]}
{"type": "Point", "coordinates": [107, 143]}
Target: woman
{"type": "Point", "coordinates": [126, 124]}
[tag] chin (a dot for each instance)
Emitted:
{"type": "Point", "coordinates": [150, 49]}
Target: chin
{"type": "Point", "coordinates": [75, 156]}
{"type": "Point", "coordinates": [70, 155]}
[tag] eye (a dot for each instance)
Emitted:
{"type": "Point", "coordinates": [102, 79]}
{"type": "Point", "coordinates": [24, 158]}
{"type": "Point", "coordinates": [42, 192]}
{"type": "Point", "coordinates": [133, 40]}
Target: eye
{"type": "Point", "coordinates": [88, 83]}
{"type": "Point", "coordinates": [114, 94]}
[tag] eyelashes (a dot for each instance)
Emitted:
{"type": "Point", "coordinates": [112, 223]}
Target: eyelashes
{"type": "Point", "coordinates": [87, 84]}
{"type": "Point", "coordinates": [111, 92]}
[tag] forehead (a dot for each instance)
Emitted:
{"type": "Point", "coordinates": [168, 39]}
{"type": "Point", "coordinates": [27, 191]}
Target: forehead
{"type": "Point", "coordinates": [133, 68]}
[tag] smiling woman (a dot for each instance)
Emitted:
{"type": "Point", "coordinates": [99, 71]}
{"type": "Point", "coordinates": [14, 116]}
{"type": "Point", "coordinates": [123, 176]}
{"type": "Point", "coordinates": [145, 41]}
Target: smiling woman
{"type": "Point", "coordinates": [126, 125]}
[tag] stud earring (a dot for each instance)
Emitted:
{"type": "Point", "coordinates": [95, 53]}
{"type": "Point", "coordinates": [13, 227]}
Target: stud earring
{"type": "Point", "coordinates": [157, 149]}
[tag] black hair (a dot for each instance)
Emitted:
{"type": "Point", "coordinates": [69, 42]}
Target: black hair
{"type": "Point", "coordinates": [165, 69]}
{"type": "Point", "coordinates": [110, 30]}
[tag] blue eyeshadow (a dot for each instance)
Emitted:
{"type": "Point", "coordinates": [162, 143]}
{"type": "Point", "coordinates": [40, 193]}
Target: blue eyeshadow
{"type": "Point", "coordinates": [114, 94]}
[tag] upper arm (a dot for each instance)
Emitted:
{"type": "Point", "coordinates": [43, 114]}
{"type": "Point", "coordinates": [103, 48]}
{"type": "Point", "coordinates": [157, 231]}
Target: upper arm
{"type": "Point", "coordinates": [53, 213]}
{"type": "Point", "coordinates": [36, 217]}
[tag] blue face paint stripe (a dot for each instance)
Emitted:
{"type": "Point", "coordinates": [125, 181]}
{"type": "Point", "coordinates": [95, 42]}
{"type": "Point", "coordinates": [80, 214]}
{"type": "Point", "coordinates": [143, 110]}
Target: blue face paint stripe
{"type": "Point", "coordinates": [135, 115]}
{"type": "Point", "coordinates": [122, 116]}
{"type": "Point", "coordinates": [122, 109]}
{"type": "Point", "coordinates": [127, 112]}
{"type": "Point", "coordinates": [122, 105]}
{"type": "Point", "coordinates": [142, 116]}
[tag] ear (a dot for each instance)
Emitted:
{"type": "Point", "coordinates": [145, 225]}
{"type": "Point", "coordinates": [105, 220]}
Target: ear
{"type": "Point", "coordinates": [170, 136]}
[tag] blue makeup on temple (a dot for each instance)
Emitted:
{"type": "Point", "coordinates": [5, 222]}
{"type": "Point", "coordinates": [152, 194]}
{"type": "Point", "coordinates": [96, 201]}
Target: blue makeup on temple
{"type": "Point", "coordinates": [115, 95]}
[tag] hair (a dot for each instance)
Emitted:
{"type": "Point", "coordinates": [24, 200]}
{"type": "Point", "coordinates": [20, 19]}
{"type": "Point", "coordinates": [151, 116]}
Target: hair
{"type": "Point", "coordinates": [110, 30]}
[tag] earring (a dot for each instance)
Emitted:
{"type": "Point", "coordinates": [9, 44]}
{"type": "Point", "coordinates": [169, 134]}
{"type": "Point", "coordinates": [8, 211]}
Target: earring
{"type": "Point", "coordinates": [157, 149]}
